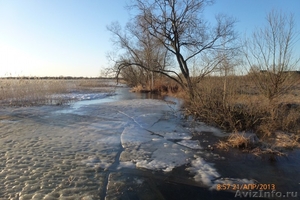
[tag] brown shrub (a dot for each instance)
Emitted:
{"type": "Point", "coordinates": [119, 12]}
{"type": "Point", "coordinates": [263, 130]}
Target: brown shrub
{"type": "Point", "coordinates": [237, 109]}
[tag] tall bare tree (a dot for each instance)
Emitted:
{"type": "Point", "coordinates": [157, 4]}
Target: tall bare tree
{"type": "Point", "coordinates": [178, 25]}
{"type": "Point", "coordinates": [270, 55]}
{"type": "Point", "coordinates": [141, 54]}
{"type": "Point", "coordinates": [230, 60]}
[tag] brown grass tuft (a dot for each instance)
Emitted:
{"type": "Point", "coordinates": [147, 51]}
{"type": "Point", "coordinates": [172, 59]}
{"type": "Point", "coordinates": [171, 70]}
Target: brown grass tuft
{"type": "Point", "coordinates": [137, 88]}
{"type": "Point", "coordinates": [283, 140]}
{"type": "Point", "coordinates": [238, 140]}
{"type": "Point", "coordinates": [222, 145]}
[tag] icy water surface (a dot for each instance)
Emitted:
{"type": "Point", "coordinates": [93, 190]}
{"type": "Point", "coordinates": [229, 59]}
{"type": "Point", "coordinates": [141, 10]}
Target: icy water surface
{"type": "Point", "coordinates": [113, 147]}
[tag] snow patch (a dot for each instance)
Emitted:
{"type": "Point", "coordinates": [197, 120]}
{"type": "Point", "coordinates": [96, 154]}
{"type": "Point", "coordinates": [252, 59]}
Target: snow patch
{"type": "Point", "coordinates": [204, 171]}
{"type": "Point", "coordinates": [208, 175]}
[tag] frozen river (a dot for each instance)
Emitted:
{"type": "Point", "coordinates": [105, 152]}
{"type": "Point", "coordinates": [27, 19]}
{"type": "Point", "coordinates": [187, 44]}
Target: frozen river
{"type": "Point", "coordinates": [109, 147]}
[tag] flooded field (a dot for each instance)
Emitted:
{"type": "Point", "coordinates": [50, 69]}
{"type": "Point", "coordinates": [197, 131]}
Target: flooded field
{"type": "Point", "coordinates": [124, 146]}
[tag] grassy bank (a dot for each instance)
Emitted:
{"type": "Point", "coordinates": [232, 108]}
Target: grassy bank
{"type": "Point", "coordinates": [161, 85]}
{"type": "Point", "coordinates": [235, 104]}
{"type": "Point", "coordinates": [39, 91]}
{"type": "Point", "coordinates": [242, 107]}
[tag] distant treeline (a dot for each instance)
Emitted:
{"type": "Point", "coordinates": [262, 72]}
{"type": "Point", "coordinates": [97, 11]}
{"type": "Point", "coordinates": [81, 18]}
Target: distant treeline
{"type": "Point", "coordinates": [53, 77]}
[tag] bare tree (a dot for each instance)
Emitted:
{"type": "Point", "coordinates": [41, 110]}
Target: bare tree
{"type": "Point", "coordinates": [230, 59]}
{"type": "Point", "coordinates": [142, 54]}
{"type": "Point", "coordinates": [180, 28]}
{"type": "Point", "coordinates": [269, 53]}
{"type": "Point", "coordinates": [178, 25]}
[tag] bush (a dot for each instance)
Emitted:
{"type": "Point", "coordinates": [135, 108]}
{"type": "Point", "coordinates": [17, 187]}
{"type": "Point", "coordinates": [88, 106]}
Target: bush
{"type": "Point", "coordinates": [237, 109]}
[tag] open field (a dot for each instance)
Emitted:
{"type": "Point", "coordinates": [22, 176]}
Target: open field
{"type": "Point", "coordinates": [37, 91]}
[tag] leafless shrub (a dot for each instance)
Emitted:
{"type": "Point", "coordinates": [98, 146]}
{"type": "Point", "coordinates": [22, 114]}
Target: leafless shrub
{"type": "Point", "coordinates": [243, 110]}
{"type": "Point", "coordinates": [240, 112]}
{"type": "Point", "coordinates": [269, 53]}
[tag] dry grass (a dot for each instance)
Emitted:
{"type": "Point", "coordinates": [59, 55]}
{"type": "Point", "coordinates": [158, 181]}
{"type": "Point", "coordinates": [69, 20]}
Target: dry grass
{"type": "Point", "coordinates": [161, 86]}
{"type": "Point", "coordinates": [273, 147]}
{"type": "Point", "coordinates": [35, 91]}
{"type": "Point", "coordinates": [29, 91]}
{"type": "Point", "coordinates": [258, 151]}
{"type": "Point", "coordinates": [238, 140]}
{"type": "Point", "coordinates": [222, 145]}
{"type": "Point", "coordinates": [137, 88]}
{"type": "Point", "coordinates": [94, 83]}
{"type": "Point", "coordinates": [242, 108]}
{"type": "Point", "coordinates": [283, 140]}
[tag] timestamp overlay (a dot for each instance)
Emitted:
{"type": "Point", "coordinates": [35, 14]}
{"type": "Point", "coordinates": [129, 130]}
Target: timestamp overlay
{"type": "Point", "coordinates": [256, 190]}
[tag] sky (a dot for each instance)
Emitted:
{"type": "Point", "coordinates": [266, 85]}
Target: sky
{"type": "Point", "coordinates": [70, 38]}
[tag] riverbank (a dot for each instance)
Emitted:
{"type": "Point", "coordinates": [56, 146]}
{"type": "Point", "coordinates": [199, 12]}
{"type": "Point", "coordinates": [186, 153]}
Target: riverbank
{"type": "Point", "coordinates": [34, 91]}
{"type": "Point", "coordinates": [122, 146]}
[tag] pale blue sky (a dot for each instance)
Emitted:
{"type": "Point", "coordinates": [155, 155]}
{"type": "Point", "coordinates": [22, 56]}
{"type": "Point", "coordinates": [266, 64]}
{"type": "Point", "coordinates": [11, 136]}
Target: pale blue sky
{"type": "Point", "coordinates": [69, 37]}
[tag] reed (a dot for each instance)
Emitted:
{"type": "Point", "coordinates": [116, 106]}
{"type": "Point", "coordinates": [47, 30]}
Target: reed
{"type": "Point", "coordinates": [36, 91]}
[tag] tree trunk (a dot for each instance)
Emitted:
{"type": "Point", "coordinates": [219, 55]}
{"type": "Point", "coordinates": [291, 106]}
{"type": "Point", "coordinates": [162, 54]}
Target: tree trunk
{"type": "Point", "coordinates": [190, 87]}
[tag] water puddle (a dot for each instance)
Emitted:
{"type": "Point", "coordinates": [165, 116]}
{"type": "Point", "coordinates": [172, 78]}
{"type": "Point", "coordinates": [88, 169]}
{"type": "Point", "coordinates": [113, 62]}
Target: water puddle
{"type": "Point", "coordinates": [122, 146]}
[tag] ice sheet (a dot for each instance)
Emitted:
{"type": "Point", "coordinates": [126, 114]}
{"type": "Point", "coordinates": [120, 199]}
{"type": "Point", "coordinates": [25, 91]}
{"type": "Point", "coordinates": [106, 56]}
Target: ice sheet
{"type": "Point", "coordinates": [166, 157]}
{"type": "Point", "coordinates": [98, 138]}
{"type": "Point", "coordinates": [80, 96]}
{"type": "Point", "coordinates": [156, 141]}
{"type": "Point", "coordinates": [176, 135]}
{"type": "Point", "coordinates": [193, 144]}
{"type": "Point", "coordinates": [134, 136]}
